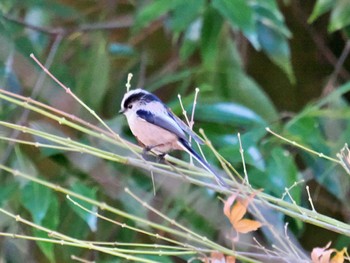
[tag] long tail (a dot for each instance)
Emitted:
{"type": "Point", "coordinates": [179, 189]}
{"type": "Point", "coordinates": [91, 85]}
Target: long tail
{"type": "Point", "coordinates": [185, 145]}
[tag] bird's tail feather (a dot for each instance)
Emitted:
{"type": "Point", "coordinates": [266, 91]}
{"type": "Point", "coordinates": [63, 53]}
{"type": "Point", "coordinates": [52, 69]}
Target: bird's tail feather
{"type": "Point", "coordinates": [185, 145]}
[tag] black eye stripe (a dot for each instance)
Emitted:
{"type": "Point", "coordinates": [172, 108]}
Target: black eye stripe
{"type": "Point", "coordinates": [131, 99]}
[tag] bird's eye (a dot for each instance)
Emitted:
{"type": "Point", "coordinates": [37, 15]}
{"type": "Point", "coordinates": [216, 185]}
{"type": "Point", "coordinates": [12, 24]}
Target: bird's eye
{"type": "Point", "coordinates": [130, 106]}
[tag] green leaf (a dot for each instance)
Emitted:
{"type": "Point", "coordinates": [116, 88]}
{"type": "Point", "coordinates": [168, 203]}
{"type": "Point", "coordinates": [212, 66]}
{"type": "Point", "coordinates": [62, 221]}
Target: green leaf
{"type": "Point", "coordinates": [61, 10]}
{"type": "Point", "coordinates": [306, 130]}
{"type": "Point", "coordinates": [276, 47]}
{"type": "Point", "coordinates": [321, 7]}
{"type": "Point", "coordinates": [230, 148]}
{"type": "Point", "coordinates": [340, 16]}
{"type": "Point", "coordinates": [6, 5]}
{"type": "Point", "coordinates": [270, 5]}
{"type": "Point", "coordinates": [50, 221]}
{"type": "Point", "coordinates": [188, 47]}
{"type": "Point", "coordinates": [228, 114]}
{"type": "Point", "coordinates": [342, 241]}
{"type": "Point", "coordinates": [89, 192]}
{"type": "Point", "coordinates": [7, 189]}
{"type": "Point", "coordinates": [272, 16]}
{"type": "Point", "coordinates": [239, 13]}
{"type": "Point", "coordinates": [22, 163]}
{"type": "Point", "coordinates": [9, 79]}
{"type": "Point", "coordinates": [191, 39]}
{"type": "Point", "coordinates": [334, 96]}
{"type": "Point", "coordinates": [282, 173]}
{"type": "Point", "coordinates": [48, 127]}
{"type": "Point", "coordinates": [153, 11]}
{"type": "Point", "coordinates": [166, 79]}
{"type": "Point", "coordinates": [121, 49]}
{"type": "Point", "coordinates": [36, 199]}
{"type": "Point", "coordinates": [93, 81]}
{"type": "Point", "coordinates": [230, 83]}
{"type": "Point", "coordinates": [210, 32]}
{"type": "Point", "coordinates": [158, 258]}
{"type": "Point", "coordinates": [252, 156]}
{"type": "Point", "coordinates": [11, 35]}
{"type": "Point", "coordinates": [184, 14]}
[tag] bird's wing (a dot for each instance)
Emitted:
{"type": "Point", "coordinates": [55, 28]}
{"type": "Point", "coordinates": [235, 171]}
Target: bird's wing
{"type": "Point", "coordinates": [184, 144]}
{"type": "Point", "coordinates": [185, 128]}
{"type": "Point", "coordinates": [163, 121]}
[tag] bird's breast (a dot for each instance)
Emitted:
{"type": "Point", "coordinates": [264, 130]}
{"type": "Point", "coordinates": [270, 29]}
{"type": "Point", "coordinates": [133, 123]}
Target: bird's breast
{"type": "Point", "coordinates": [153, 136]}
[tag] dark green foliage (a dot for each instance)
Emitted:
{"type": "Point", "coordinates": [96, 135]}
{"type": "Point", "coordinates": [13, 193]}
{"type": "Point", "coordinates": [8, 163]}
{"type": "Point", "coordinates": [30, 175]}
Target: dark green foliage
{"type": "Point", "coordinates": [172, 47]}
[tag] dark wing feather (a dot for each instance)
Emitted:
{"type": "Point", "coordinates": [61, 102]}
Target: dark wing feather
{"type": "Point", "coordinates": [206, 165]}
{"type": "Point", "coordinates": [167, 123]}
{"type": "Point", "coordinates": [185, 128]}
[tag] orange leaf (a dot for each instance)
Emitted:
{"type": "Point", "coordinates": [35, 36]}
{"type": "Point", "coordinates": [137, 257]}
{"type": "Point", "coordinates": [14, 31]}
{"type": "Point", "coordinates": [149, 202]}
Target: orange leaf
{"type": "Point", "coordinates": [230, 259]}
{"type": "Point", "coordinates": [237, 212]}
{"type": "Point", "coordinates": [339, 256]}
{"type": "Point", "coordinates": [217, 257]}
{"type": "Point", "coordinates": [247, 225]}
{"type": "Point", "coordinates": [228, 205]}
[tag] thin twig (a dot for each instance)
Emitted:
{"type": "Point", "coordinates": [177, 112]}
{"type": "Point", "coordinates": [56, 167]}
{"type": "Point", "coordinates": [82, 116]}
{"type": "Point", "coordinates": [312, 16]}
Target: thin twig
{"type": "Point", "coordinates": [46, 30]}
{"type": "Point", "coordinates": [194, 108]}
{"type": "Point", "coordinates": [123, 22]}
{"type": "Point", "coordinates": [243, 161]}
{"type": "Point", "coordinates": [192, 121]}
{"type": "Point", "coordinates": [36, 90]}
{"type": "Point", "coordinates": [124, 225]}
{"type": "Point", "coordinates": [293, 201]}
{"type": "Point", "coordinates": [290, 243]}
{"type": "Point", "coordinates": [291, 187]}
{"type": "Point", "coordinates": [92, 112]}
{"type": "Point", "coordinates": [318, 40]}
{"type": "Point", "coordinates": [337, 69]}
{"type": "Point", "coordinates": [184, 113]}
{"type": "Point", "coordinates": [128, 85]}
{"type": "Point", "coordinates": [294, 143]}
{"type": "Point", "coordinates": [82, 260]}
{"type": "Point", "coordinates": [310, 199]}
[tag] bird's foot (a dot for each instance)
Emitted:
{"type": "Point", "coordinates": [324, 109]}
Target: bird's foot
{"type": "Point", "coordinates": [147, 149]}
{"type": "Point", "coordinates": [161, 157]}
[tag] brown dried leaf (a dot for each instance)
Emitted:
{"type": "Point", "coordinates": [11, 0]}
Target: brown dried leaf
{"type": "Point", "coordinates": [247, 225]}
{"type": "Point", "coordinates": [228, 204]}
{"type": "Point", "coordinates": [230, 259]}
{"type": "Point", "coordinates": [237, 212]}
{"type": "Point", "coordinates": [339, 256]}
{"type": "Point", "coordinates": [217, 257]}
{"type": "Point", "coordinates": [321, 254]}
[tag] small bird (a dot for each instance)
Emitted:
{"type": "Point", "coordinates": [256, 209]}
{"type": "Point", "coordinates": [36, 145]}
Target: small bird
{"type": "Point", "coordinates": [157, 128]}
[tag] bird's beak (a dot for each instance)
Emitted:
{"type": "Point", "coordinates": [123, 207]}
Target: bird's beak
{"type": "Point", "coordinates": [121, 111]}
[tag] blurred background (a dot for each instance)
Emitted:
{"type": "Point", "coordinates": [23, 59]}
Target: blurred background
{"type": "Point", "coordinates": [263, 63]}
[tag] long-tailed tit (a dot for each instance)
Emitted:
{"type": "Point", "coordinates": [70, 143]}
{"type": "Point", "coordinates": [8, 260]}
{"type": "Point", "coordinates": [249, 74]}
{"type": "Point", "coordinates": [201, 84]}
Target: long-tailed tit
{"type": "Point", "coordinates": [157, 128]}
